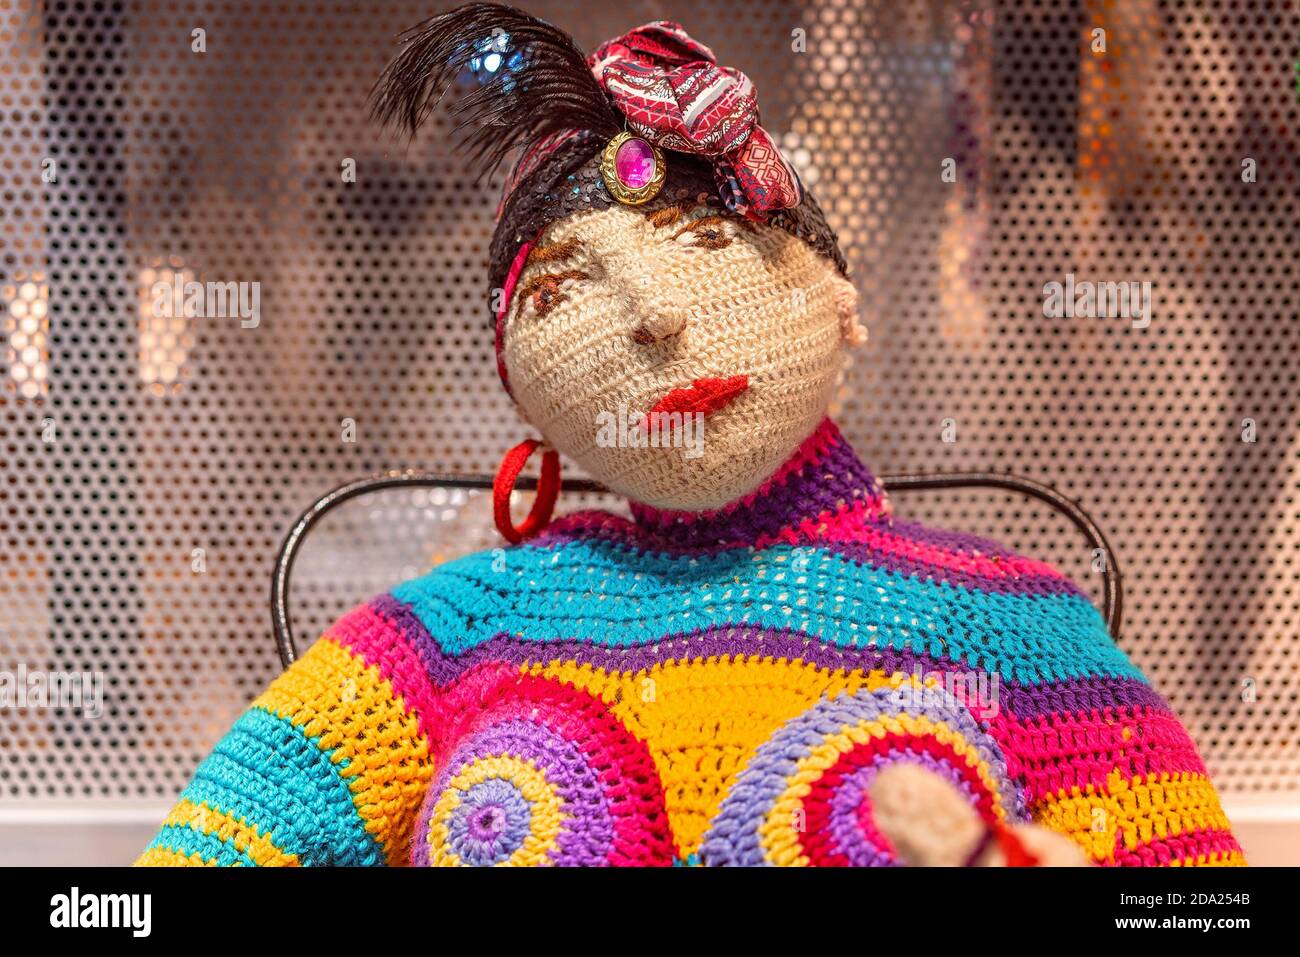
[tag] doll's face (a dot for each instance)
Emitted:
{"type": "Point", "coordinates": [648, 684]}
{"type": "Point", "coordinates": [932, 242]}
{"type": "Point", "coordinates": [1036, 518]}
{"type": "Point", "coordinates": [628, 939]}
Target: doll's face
{"type": "Point", "coordinates": [727, 336]}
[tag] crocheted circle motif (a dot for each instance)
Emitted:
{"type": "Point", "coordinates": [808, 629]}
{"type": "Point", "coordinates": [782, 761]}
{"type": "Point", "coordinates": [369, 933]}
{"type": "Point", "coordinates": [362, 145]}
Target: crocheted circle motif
{"type": "Point", "coordinates": [803, 798]}
{"type": "Point", "coordinates": [540, 773]}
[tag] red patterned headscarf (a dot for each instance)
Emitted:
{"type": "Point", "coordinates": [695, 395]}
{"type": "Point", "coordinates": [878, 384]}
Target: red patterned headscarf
{"type": "Point", "coordinates": [673, 92]}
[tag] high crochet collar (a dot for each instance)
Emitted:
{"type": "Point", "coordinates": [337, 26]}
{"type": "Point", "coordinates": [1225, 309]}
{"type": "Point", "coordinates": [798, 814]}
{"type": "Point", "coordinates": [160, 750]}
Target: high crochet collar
{"type": "Point", "coordinates": [823, 483]}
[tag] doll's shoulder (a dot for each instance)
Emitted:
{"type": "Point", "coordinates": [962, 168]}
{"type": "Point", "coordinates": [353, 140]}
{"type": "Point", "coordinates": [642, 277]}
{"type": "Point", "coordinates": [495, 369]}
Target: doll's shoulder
{"type": "Point", "coordinates": [512, 589]}
{"type": "Point", "coordinates": [979, 600]}
{"type": "Point", "coordinates": [911, 548]}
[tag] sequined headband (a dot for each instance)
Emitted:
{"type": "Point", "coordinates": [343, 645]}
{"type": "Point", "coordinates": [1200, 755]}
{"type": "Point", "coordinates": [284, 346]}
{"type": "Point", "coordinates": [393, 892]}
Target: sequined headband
{"type": "Point", "coordinates": [570, 180]}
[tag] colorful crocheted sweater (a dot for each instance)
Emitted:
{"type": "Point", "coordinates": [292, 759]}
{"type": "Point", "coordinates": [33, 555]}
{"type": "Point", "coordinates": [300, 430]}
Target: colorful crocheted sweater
{"type": "Point", "coordinates": [702, 688]}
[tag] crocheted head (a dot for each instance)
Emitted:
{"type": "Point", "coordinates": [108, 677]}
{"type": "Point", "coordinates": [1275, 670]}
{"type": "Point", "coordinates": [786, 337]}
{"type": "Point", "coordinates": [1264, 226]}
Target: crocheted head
{"type": "Point", "coordinates": [670, 305]}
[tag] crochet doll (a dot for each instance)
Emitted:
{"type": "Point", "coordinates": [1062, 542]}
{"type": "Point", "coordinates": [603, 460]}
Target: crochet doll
{"type": "Point", "coordinates": [720, 678]}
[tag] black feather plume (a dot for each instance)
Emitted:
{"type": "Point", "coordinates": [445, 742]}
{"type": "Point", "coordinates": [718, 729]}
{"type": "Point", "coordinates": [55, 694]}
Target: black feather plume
{"type": "Point", "coordinates": [547, 89]}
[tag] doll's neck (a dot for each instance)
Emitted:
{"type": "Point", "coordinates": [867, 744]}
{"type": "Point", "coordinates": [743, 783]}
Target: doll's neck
{"type": "Point", "coordinates": [823, 483]}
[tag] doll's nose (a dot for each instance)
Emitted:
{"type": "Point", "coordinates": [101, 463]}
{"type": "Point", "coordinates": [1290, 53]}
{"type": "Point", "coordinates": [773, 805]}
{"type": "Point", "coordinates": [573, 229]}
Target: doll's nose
{"type": "Point", "coordinates": [659, 326]}
{"type": "Point", "coordinates": [659, 305]}
{"type": "Point", "coordinates": [662, 315]}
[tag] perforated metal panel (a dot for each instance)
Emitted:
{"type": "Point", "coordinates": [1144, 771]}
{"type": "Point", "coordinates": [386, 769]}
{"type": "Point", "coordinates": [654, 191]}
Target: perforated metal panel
{"type": "Point", "coordinates": [130, 437]}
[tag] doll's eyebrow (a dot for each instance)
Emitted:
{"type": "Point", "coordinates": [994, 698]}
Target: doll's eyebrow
{"type": "Point", "coordinates": [555, 252]}
{"type": "Point", "coordinates": [670, 215]}
{"type": "Point", "coordinates": [550, 279]}
{"type": "Point", "coordinates": [714, 220]}
{"type": "Point", "coordinates": [667, 215]}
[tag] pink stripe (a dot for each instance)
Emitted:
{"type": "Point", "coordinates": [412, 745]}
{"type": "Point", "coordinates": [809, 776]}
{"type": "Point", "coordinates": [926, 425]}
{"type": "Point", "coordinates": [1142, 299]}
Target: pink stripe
{"type": "Point", "coordinates": [853, 524]}
{"type": "Point", "coordinates": [371, 637]}
{"type": "Point", "coordinates": [507, 292]}
{"type": "Point", "coordinates": [1058, 752]}
{"type": "Point", "coordinates": [828, 526]}
{"type": "Point", "coordinates": [845, 527]}
{"type": "Point", "coordinates": [1176, 848]}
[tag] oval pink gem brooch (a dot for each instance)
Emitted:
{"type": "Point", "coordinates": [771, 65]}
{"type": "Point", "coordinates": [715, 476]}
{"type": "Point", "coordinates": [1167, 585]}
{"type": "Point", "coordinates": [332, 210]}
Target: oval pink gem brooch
{"type": "Point", "coordinates": [633, 169]}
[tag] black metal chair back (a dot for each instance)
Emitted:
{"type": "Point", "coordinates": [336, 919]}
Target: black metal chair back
{"type": "Point", "coordinates": [282, 621]}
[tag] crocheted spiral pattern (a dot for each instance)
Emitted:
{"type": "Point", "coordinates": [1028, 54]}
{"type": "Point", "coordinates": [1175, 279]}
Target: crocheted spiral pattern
{"type": "Point", "coordinates": [537, 772]}
{"type": "Point", "coordinates": [703, 688]}
{"type": "Point", "coordinates": [803, 798]}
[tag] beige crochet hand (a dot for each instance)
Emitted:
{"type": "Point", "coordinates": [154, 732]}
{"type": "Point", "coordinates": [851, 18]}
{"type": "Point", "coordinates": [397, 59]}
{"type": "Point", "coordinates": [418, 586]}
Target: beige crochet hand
{"type": "Point", "coordinates": [931, 824]}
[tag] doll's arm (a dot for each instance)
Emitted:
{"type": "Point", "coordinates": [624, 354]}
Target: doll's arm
{"type": "Point", "coordinates": [327, 766]}
{"type": "Point", "coordinates": [1122, 779]}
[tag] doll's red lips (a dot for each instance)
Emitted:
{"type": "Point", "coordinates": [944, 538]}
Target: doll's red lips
{"type": "Point", "coordinates": [705, 396]}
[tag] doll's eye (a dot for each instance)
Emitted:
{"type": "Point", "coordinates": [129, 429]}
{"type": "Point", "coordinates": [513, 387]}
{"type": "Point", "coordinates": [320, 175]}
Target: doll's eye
{"type": "Point", "coordinates": [707, 232]}
{"type": "Point", "coordinates": [541, 294]}
{"type": "Point", "coordinates": [545, 297]}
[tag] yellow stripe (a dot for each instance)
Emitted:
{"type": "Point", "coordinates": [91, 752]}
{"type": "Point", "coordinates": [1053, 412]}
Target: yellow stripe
{"type": "Point", "coordinates": [164, 857]}
{"type": "Point", "coordinates": [1138, 811]}
{"type": "Point", "coordinates": [780, 832]}
{"type": "Point", "coordinates": [244, 838]}
{"type": "Point", "coordinates": [1214, 859]}
{"type": "Point", "coordinates": [545, 820]}
{"type": "Point", "coordinates": [334, 696]}
{"type": "Point", "coordinates": [703, 720]}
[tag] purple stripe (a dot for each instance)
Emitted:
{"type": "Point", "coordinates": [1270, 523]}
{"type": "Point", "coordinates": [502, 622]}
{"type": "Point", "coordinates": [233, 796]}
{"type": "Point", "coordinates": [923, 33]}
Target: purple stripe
{"type": "Point", "coordinates": [1081, 696]}
{"type": "Point", "coordinates": [1025, 702]}
{"type": "Point", "coordinates": [906, 566]}
{"type": "Point", "coordinates": [846, 831]}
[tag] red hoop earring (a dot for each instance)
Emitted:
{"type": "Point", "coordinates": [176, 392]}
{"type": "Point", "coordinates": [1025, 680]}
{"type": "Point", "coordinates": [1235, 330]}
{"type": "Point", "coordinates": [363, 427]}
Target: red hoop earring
{"type": "Point", "coordinates": [548, 490]}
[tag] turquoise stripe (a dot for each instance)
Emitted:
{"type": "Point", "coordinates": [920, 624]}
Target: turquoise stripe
{"type": "Point", "coordinates": [186, 840]}
{"type": "Point", "coordinates": [604, 593]}
{"type": "Point", "coordinates": [269, 774]}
